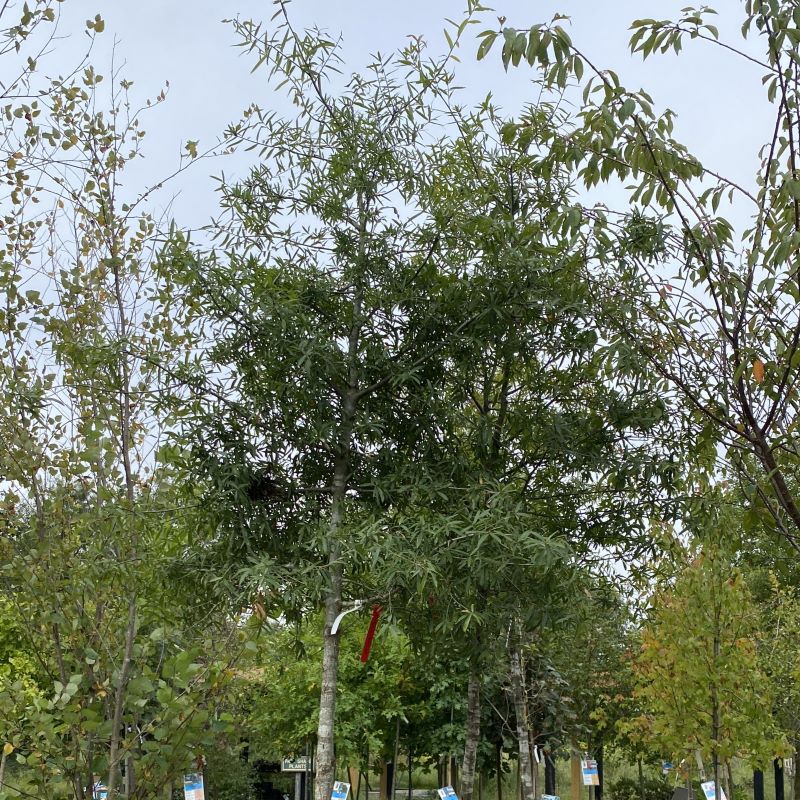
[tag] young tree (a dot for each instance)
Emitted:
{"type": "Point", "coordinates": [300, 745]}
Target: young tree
{"type": "Point", "coordinates": [699, 679]}
{"type": "Point", "coordinates": [88, 512]}
{"type": "Point", "coordinates": [525, 465]}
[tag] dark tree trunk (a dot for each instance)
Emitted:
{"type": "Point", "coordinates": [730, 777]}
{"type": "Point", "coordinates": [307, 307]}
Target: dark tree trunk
{"type": "Point", "coordinates": [796, 779]}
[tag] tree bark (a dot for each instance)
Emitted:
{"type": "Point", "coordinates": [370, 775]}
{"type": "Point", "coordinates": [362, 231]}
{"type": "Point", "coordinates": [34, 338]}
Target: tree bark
{"type": "Point", "coordinates": [728, 780]}
{"type": "Point", "coordinates": [715, 710]}
{"type": "Point", "coordinates": [641, 778]}
{"type": "Point", "coordinates": [396, 759]}
{"type": "Point", "coordinates": [119, 702]}
{"type": "Point", "coordinates": [499, 767]}
{"type": "Point", "coordinates": [325, 757]}
{"type": "Point", "coordinates": [521, 713]}
{"type": "Point", "coordinates": [575, 776]}
{"type": "Point", "coordinates": [473, 734]}
{"type": "Point", "coordinates": [796, 778]}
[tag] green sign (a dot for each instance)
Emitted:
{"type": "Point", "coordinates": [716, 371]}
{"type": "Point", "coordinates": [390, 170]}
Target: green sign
{"type": "Point", "coordinates": [296, 764]}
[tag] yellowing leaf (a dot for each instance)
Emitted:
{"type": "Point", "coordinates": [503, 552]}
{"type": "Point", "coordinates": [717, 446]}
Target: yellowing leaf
{"type": "Point", "coordinates": [758, 371]}
{"type": "Point", "coordinates": [8, 749]}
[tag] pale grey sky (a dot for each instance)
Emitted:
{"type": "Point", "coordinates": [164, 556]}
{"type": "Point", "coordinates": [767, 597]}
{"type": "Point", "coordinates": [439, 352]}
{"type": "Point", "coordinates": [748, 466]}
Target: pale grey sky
{"type": "Point", "coordinates": [722, 114]}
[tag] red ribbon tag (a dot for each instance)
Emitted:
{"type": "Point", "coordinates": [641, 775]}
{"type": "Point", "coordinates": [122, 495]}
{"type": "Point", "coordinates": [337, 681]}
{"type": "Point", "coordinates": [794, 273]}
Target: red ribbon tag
{"type": "Point", "coordinates": [373, 624]}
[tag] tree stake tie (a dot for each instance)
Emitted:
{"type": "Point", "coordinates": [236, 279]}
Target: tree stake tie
{"type": "Point", "coordinates": [335, 627]}
{"type": "Point", "coordinates": [373, 624]}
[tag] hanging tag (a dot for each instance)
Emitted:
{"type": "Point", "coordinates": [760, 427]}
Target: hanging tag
{"type": "Point", "coordinates": [700, 767]}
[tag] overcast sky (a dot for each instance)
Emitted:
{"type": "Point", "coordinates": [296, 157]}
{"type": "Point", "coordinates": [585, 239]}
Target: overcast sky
{"type": "Point", "coordinates": [722, 114]}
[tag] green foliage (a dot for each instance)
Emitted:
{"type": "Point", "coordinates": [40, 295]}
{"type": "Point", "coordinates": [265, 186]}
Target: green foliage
{"type": "Point", "coordinates": [648, 788]}
{"type": "Point", "coordinates": [698, 675]}
{"type": "Point", "coordinates": [281, 691]}
{"type": "Point", "coordinates": [743, 282]}
{"type": "Point", "coordinates": [107, 674]}
{"type": "Point", "coordinates": [227, 775]}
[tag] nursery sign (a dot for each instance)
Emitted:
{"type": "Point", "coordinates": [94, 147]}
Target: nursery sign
{"type": "Point", "coordinates": [296, 764]}
{"type": "Point", "coordinates": [708, 791]}
{"type": "Point", "coordinates": [340, 790]}
{"type": "Point", "coordinates": [193, 788]}
{"type": "Point", "coordinates": [447, 793]}
{"type": "Point", "coordinates": [591, 776]}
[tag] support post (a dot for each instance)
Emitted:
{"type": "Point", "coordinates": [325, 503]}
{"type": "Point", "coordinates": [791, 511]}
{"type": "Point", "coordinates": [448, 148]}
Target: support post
{"type": "Point", "coordinates": [777, 765]}
{"type": "Point", "coordinates": [758, 785]}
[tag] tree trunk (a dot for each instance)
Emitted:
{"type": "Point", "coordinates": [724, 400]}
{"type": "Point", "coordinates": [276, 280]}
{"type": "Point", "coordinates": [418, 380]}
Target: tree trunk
{"type": "Point", "coordinates": [598, 790]}
{"type": "Point", "coordinates": [385, 786]}
{"type": "Point", "coordinates": [575, 776]}
{"type": "Point", "coordinates": [728, 780]}
{"type": "Point", "coordinates": [119, 702]}
{"type": "Point", "coordinates": [758, 785]}
{"type": "Point", "coordinates": [3, 760]}
{"type": "Point", "coordinates": [473, 734]}
{"type": "Point", "coordinates": [521, 713]}
{"type": "Point", "coordinates": [325, 757]}
{"type": "Point", "coordinates": [396, 760]}
{"type": "Point", "coordinates": [499, 767]}
{"type": "Point", "coordinates": [641, 777]}
{"type": "Point", "coordinates": [796, 778]}
{"type": "Point", "coordinates": [715, 712]}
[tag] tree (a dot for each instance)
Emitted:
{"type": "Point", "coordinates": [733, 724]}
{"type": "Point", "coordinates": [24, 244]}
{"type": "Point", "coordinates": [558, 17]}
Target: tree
{"type": "Point", "coordinates": [533, 446]}
{"type": "Point", "coordinates": [88, 510]}
{"type": "Point", "coordinates": [322, 301]}
{"type": "Point", "coordinates": [698, 674]}
{"type": "Point", "coordinates": [714, 309]}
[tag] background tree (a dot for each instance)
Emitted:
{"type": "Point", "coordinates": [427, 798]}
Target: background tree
{"type": "Point", "coordinates": [88, 512]}
{"type": "Point", "coordinates": [714, 309]}
{"type": "Point", "coordinates": [698, 674]}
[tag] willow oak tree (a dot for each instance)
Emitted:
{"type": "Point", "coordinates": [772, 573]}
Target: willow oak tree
{"type": "Point", "coordinates": [326, 268]}
{"type": "Point", "coordinates": [698, 676]}
{"type": "Point", "coordinates": [716, 312]}
{"type": "Point", "coordinates": [526, 461]}
{"type": "Point", "coordinates": [88, 516]}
